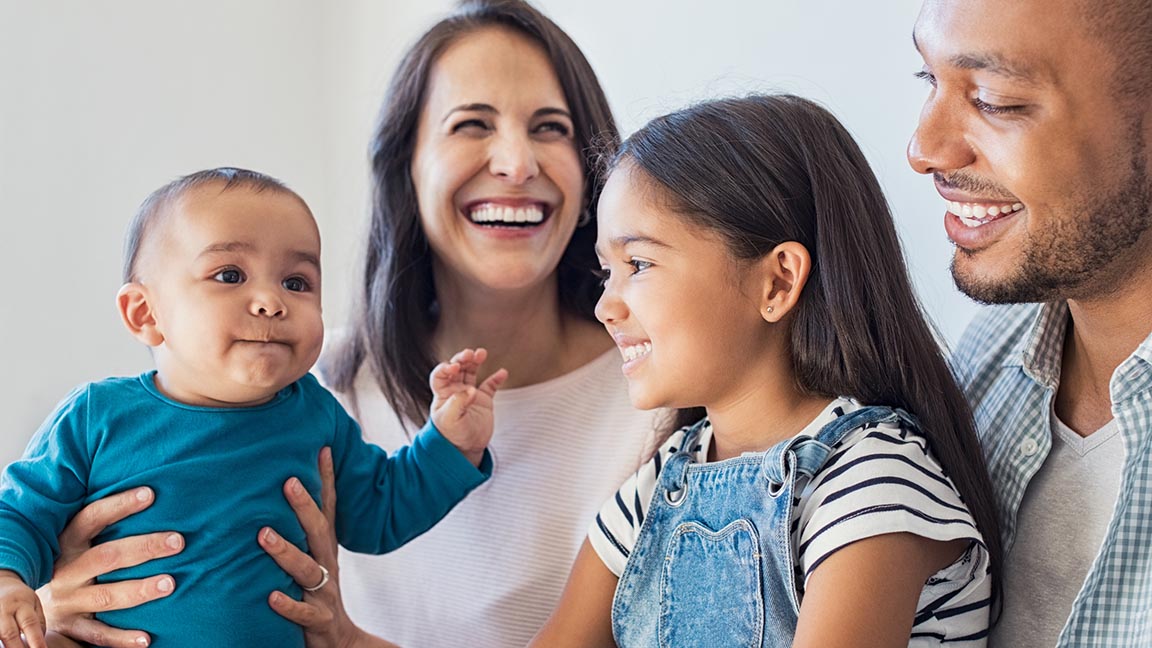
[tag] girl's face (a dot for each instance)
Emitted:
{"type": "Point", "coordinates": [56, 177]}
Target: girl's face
{"type": "Point", "coordinates": [682, 310]}
{"type": "Point", "coordinates": [496, 169]}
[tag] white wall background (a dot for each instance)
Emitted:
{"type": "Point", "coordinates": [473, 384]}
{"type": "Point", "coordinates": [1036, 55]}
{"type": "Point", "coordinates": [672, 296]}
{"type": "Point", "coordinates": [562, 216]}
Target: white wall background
{"type": "Point", "coordinates": [102, 102]}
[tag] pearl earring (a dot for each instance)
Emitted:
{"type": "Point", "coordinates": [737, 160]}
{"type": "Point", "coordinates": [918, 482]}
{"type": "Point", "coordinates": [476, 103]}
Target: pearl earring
{"type": "Point", "coordinates": [768, 309]}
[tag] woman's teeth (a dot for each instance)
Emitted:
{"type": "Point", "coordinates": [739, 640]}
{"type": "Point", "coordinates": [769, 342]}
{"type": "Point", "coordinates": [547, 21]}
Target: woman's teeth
{"type": "Point", "coordinates": [636, 351]}
{"type": "Point", "coordinates": [499, 214]}
{"type": "Point", "coordinates": [975, 214]}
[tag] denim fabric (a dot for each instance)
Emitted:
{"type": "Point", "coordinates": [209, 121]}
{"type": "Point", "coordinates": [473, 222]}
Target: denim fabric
{"type": "Point", "coordinates": [714, 563]}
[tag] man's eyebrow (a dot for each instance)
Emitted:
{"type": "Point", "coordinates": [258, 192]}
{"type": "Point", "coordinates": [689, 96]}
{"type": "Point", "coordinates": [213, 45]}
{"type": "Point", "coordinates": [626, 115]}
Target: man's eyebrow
{"type": "Point", "coordinates": [992, 62]}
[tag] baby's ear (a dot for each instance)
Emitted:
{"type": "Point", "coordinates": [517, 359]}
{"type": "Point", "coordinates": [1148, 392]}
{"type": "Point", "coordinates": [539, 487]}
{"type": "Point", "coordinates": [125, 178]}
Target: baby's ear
{"type": "Point", "coordinates": [137, 313]}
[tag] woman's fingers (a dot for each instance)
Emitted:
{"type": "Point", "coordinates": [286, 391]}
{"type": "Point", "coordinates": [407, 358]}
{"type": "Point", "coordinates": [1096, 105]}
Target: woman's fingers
{"type": "Point", "coordinates": [117, 554]}
{"type": "Point", "coordinates": [303, 614]}
{"type": "Point", "coordinates": [92, 519]}
{"type": "Point", "coordinates": [31, 622]}
{"type": "Point", "coordinates": [95, 633]}
{"type": "Point", "coordinates": [297, 564]}
{"type": "Point", "coordinates": [328, 486]}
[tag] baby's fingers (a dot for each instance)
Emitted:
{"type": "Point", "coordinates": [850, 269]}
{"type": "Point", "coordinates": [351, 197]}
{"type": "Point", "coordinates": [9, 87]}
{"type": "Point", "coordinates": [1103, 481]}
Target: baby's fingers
{"type": "Point", "coordinates": [494, 381]}
{"type": "Point", "coordinates": [444, 375]}
{"type": "Point", "coordinates": [32, 624]}
{"type": "Point", "coordinates": [453, 410]}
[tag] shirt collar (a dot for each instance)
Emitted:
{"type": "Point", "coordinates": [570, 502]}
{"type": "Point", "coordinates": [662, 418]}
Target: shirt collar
{"type": "Point", "coordinates": [1038, 353]}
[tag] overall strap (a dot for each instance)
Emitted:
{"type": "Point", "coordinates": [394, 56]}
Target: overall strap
{"type": "Point", "coordinates": [806, 455]}
{"type": "Point", "coordinates": [675, 471]}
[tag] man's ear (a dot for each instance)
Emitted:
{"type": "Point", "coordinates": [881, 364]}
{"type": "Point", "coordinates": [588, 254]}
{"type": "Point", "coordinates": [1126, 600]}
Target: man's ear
{"type": "Point", "coordinates": [785, 270]}
{"type": "Point", "coordinates": [137, 313]}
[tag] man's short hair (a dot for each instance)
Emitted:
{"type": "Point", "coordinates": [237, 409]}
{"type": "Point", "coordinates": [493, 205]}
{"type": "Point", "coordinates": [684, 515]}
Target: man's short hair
{"type": "Point", "coordinates": [1126, 27]}
{"type": "Point", "coordinates": [157, 204]}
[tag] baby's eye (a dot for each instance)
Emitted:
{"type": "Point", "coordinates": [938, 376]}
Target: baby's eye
{"type": "Point", "coordinates": [229, 276]}
{"type": "Point", "coordinates": [602, 274]}
{"type": "Point", "coordinates": [296, 284]}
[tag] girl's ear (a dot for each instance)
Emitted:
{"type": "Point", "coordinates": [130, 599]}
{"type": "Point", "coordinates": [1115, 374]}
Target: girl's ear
{"type": "Point", "coordinates": [785, 270]}
{"type": "Point", "coordinates": [138, 314]}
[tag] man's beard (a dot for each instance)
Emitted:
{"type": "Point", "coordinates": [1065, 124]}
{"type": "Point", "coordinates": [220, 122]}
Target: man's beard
{"type": "Point", "coordinates": [1056, 263]}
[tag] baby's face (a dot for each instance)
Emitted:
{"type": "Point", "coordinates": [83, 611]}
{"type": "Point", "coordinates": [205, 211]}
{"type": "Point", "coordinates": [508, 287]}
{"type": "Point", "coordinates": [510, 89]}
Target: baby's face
{"type": "Point", "coordinates": [234, 282]}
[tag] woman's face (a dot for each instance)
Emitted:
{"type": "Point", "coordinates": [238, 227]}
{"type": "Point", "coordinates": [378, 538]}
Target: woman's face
{"type": "Point", "coordinates": [498, 177]}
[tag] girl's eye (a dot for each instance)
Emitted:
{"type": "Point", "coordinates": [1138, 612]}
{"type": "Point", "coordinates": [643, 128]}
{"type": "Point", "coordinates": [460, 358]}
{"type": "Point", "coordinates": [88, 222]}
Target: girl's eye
{"type": "Point", "coordinates": [639, 265]}
{"type": "Point", "coordinates": [229, 276]}
{"type": "Point", "coordinates": [295, 284]}
{"type": "Point", "coordinates": [602, 274]}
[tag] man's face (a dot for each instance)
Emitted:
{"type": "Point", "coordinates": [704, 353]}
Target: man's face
{"type": "Point", "coordinates": [1044, 171]}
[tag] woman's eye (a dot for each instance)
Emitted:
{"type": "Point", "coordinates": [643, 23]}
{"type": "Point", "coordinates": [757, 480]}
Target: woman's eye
{"type": "Point", "coordinates": [230, 276]}
{"type": "Point", "coordinates": [471, 125]}
{"type": "Point", "coordinates": [295, 284]}
{"type": "Point", "coordinates": [559, 128]}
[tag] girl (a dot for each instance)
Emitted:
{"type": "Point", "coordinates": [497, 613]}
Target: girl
{"type": "Point", "coordinates": [827, 487]}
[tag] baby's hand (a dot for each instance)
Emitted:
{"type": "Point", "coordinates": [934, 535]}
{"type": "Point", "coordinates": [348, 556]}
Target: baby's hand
{"type": "Point", "coordinates": [20, 613]}
{"type": "Point", "coordinates": [461, 409]}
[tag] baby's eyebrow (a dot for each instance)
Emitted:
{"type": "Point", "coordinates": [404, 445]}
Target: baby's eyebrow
{"type": "Point", "coordinates": [227, 246]}
{"type": "Point", "coordinates": [307, 257]}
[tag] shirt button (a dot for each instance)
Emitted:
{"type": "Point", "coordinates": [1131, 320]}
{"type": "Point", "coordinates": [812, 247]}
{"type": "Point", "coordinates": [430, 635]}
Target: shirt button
{"type": "Point", "coordinates": [1029, 447]}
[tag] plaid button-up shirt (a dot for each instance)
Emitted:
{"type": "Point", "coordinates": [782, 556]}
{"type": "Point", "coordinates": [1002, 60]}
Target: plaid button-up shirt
{"type": "Point", "coordinates": [1008, 363]}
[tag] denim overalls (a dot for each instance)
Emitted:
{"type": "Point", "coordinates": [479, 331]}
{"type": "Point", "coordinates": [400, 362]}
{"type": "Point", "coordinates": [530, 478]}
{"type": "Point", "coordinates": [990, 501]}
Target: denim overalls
{"type": "Point", "coordinates": [714, 563]}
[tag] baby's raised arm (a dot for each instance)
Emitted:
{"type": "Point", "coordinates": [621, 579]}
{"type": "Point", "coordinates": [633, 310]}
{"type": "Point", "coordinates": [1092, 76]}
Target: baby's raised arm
{"type": "Point", "coordinates": [461, 409]}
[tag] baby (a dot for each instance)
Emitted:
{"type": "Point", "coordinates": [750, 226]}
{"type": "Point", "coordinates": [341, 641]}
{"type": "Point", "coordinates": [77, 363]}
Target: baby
{"type": "Point", "coordinates": [222, 282]}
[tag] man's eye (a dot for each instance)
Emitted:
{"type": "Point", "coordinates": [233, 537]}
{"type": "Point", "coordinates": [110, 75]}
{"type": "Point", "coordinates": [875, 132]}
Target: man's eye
{"type": "Point", "coordinates": [229, 276]}
{"type": "Point", "coordinates": [295, 284]}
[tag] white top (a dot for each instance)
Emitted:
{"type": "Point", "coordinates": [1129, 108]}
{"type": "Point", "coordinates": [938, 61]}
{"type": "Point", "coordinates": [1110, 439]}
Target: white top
{"type": "Point", "coordinates": [1059, 529]}
{"type": "Point", "coordinates": [878, 479]}
{"type": "Point", "coordinates": [491, 572]}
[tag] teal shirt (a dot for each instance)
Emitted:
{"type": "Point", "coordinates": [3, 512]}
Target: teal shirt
{"type": "Point", "coordinates": [218, 475]}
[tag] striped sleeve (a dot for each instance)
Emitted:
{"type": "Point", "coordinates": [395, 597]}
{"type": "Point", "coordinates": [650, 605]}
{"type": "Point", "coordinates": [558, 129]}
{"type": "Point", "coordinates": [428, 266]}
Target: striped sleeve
{"type": "Point", "coordinates": [614, 531]}
{"type": "Point", "coordinates": [880, 479]}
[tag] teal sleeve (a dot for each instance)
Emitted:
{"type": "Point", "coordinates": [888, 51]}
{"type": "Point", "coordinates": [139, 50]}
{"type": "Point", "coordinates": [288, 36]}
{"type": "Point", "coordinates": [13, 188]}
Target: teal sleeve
{"type": "Point", "coordinates": [41, 491]}
{"type": "Point", "coordinates": [383, 501]}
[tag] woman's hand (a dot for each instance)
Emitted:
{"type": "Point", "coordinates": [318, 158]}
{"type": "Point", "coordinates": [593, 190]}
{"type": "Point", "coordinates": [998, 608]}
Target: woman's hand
{"type": "Point", "coordinates": [321, 613]}
{"type": "Point", "coordinates": [73, 596]}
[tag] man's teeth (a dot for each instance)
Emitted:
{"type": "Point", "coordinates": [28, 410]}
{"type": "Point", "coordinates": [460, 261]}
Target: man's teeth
{"type": "Point", "coordinates": [975, 215]}
{"type": "Point", "coordinates": [503, 214]}
{"type": "Point", "coordinates": [636, 351]}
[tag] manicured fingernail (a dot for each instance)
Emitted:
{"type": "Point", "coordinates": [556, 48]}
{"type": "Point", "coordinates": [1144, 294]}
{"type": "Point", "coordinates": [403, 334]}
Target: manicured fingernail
{"type": "Point", "coordinates": [173, 541]}
{"type": "Point", "coordinates": [143, 495]}
{"type": "Point", "coordinates": [165, 585]}
{"type": "Point", "coordinates": [270, 537]}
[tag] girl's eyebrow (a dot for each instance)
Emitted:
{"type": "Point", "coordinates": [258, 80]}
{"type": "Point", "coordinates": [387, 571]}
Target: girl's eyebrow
{"type": "Point", "coordinates": [621, 241]}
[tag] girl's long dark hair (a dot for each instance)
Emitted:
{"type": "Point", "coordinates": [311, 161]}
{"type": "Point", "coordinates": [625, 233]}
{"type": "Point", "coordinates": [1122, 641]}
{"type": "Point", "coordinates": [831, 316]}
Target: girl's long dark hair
{"type": "Point", "coordinates": [395, 312]}
{"type": "Point", "coordinates": [763, 170]}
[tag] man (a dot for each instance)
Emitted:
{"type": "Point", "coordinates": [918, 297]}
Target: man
{"type": "Point", "coordinates": [1037, 131]}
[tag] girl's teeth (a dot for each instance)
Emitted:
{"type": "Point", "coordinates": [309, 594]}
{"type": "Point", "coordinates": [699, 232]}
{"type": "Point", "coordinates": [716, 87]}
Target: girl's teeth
{"type": "Point", "coordinates": [636, 351]}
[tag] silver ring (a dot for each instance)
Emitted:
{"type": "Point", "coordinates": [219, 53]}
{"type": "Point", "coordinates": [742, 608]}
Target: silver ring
{"type": "Point", "coordinates": [323, 580]}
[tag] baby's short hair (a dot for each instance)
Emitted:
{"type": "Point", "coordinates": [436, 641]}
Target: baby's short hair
{"type": "Point", "coordinates": [158, 202]}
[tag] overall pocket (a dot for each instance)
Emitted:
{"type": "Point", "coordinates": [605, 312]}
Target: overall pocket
{"type": "Point", "coordinates": [710, 590]}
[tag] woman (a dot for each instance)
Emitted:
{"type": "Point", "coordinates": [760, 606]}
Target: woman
{"type": "Point", "coordinates": [482, 235]}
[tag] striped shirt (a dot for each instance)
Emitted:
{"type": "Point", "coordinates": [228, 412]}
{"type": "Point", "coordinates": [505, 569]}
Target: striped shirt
{"type": "Point", "coordinates": [1008, 363]}
{"type": "Point", "coordinates": [879, 479]}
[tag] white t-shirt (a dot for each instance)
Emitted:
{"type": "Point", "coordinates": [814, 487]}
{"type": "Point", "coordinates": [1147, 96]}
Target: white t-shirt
{"type": "Point", "coordinates": [878, 479]}
{"type": "Point", "coordinates": [1060, 526]}
{"type": "Point", "coordinates": [491, 572]}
